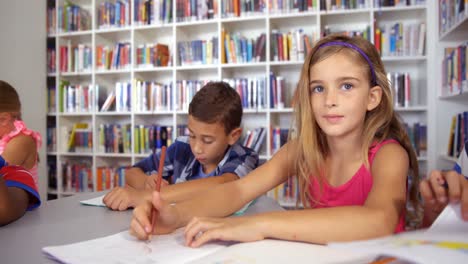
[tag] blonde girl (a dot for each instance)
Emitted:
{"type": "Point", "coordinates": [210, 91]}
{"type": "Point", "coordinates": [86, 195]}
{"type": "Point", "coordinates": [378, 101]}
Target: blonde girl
{"type": "Point", "coordinates": [351, 156]}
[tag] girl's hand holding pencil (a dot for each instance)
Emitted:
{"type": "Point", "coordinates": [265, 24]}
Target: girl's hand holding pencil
{"type": "Point", "coordinates": [166, 218]}
{"type": "Point", "coordinates": [157, 216]}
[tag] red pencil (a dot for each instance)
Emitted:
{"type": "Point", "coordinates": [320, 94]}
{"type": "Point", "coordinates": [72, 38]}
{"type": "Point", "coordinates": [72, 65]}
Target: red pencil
{"type": "Point", "coordinates": [158, 184]}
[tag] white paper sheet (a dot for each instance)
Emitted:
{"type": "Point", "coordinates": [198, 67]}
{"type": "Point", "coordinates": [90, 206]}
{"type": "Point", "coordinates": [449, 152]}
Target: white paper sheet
{"type": "Point", "coordinates": [445, 242]}
{"type": "Point", "coordinates": [123, 248]}
{"type": "Point", "coordinates": [94, 201]}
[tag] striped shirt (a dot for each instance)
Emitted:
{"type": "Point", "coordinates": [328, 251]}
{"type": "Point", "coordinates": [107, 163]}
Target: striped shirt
{"type": "Point", "coordinates": [462, 164]}
{"type": "Point", "coordinates": [180, 163]}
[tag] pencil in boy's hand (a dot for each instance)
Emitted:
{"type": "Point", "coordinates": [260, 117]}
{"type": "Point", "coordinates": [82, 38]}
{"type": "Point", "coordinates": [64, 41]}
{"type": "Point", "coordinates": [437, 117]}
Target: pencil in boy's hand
{"type": "Point", "coordinates": [158, 185]}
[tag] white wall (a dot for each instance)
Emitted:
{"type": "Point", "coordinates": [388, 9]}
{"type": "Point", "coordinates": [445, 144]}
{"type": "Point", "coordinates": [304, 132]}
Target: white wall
{"type": "Point", "coordinates": [22, 64]}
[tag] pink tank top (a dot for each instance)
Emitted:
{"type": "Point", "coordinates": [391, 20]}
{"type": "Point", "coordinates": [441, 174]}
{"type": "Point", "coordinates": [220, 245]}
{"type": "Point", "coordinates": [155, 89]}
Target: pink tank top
{"type": "Point", "coordinates": [353, 192]}
{"type": "Point", "coordinates": [20, 128]}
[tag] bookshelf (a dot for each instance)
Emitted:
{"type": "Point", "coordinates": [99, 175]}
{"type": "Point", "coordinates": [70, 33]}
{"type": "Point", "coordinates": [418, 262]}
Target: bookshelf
{"type": "Point", "coordinates": [452, 88]}
{"type": "Point", "coordinates": [247, 25]}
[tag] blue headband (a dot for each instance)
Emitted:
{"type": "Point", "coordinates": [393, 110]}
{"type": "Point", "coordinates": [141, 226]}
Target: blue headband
{"type": "Point", "coordinates": [349, 45]}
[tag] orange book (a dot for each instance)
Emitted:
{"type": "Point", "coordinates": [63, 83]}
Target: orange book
{"type": "Point", "coordinates": [99, 179]}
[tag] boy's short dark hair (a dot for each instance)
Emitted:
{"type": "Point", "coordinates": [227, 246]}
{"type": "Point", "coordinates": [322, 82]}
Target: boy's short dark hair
{"type": "Point", "coordinates": [217, 102]}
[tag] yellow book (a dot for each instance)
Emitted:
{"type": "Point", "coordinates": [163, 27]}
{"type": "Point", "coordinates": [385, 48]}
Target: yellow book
{"type": "Point", "coordinates": [71, 139]}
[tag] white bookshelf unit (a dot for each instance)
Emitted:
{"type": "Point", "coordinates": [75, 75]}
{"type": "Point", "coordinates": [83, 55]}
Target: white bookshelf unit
{"type": "Point", "coordinates": [313, 22]}
{"type": "Point", "coordinates": [452, 32]}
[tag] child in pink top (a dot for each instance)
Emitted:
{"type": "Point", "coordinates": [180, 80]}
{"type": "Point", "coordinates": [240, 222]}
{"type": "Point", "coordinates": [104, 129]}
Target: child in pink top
{"type": "Point", "coordinates": [349, 151]}
{"type": "Point", "coordinates": [18, 144]}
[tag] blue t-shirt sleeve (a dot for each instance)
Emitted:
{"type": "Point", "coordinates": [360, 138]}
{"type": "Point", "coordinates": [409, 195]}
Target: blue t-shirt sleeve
{"type": "Point", "coordinates": [150, 164]}
{"type": "Point", "coordinates": [462, 164]}
{"type": "Point", "coordinates": [241, 162]}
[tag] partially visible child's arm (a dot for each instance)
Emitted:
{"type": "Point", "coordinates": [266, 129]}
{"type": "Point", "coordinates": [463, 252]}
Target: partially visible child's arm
{"type": "Point", "coordinates": [440, 188]}
{"type": "Point", "coordinates": [136, 178]}
{"type": "Point", "coordinates": [186, 190]}
{"type": "Point", "coordinates": [378, 216]}
{"type": "Point", "coordinates": [13, 203]}
{"type": "Point", "coordinates": [21, 151]}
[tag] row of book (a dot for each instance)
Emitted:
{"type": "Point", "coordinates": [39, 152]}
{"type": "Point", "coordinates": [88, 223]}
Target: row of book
{"type": "Point", "coordinates": [252, 91]}
{"type": "Point", "coordinates": [79, 138]}
{"type": "Point", "coordinates": [236, 48]}
{"type": "Point", "coordinates": [113, 58]}
{"type": "Point", "coordinates": [196, 52]}
{"type": "Point", "coordinates": [458, 134]}
{"type": "Point", "coordinates": [151, 96]}
{"type": "Point", "coordinates": [194, 10]}
{"type": "Point", "coordinates": [152, 12]}
{"type": "Point", "coordinates": [185, 90]}
{"type": "Point", "coordinates": [417, 133]}
{"type": "Point", "coordinates": [400, 83]}
{"type": "Point", "coordinates": [279, 137]}
{"type": "Point", "coordinates": [78, 177]}
{"type": "Point", "coordinates": [451, 12]}
{"type": "Point", "coordinates": [76, 98]}
{"type": "Point", "coordinates": [278, 92]}
{"type": "Point", "coordinates": [291, 46]}
{"type": "Point", "coordinates": [72, 17]}
{"type": "Point", "coordinates": [254, 139]}
{"type": "Point", "coordinates": [364, 32]}
{"type": "Point", "coordinates": [291, 6]}
{"type": "Point", "coordinates": [240, 8]}
{"type": "Point", "coordinates": [113, 15]}
{"type": "Point", "coordinates": [114, 138]}
{"type": "Point", "coordinates": [401, 39]}
{"type": "Point", "coordinates": [454, 73]}
{"type": "Point", "coordinates": [331, 5]}
{"type": "Point", "coordinates": [74, 58]}
{"type": "Point", "coordinates": [150, 138]}
{"type": "Point", "coordinates": [153, 55]}
{"type": "Point", "coordinates": [110, 177]}
{"type": "Point", "coordinates": [398, 3]}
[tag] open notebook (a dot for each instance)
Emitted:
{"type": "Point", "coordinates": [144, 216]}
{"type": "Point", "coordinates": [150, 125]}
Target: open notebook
{"type": "Point", "coordinates": [123, 248]}
{"type": "Point", "coordinates": [446, 241]}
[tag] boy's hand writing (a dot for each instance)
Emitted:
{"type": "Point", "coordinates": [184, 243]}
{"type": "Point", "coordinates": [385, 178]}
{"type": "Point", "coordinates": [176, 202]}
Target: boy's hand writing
{"type": "Point", "coordinates": [122, 198]}
{"type": "Point", "coordinates": [440, 188]}
{"type": "Point", "coordinates": [201, 230]}
{"type": "Point", "coordinates": [167, 218]}
{"type": "Point", "coordinates": [150, 182]}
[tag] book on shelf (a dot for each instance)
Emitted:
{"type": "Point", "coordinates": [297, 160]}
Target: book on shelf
{"type": "Point", "coordinates": [241, 49]}
{"type": "Point", "coordinates": [110, 177]}
{"type": "Point", "coordinates": [252, 91]}
{"type": "Point", "coordinates": [110, 100]}
{"type": "Point", "coordinates": [113, 15]}
{"type": "Point", "coordinates": [458, 134]}
{"type": "Point", "coordinates": [400, 39]}
{"type": "Point", "coordinates": [83, 142]}
{"type": "Point", "coordinates": [454, 73]}
{"type": "Point", "coordinates": [254, 139]}
{"type": "Point", "coordinates": [331, 5]}
{"type": "Point", "coordinates": [285, 7]}
{"type": "Point", "coordinates": [450, 13]}
{"type": "Point", "coordinates": [77, 176]}
{"type": "Point", "coordinates": [72, 17]}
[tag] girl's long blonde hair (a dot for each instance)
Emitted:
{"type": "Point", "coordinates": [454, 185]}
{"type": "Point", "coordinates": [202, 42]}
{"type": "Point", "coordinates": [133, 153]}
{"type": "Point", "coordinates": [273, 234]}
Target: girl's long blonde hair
{"type": "Point", "coordinates": [380, 123]}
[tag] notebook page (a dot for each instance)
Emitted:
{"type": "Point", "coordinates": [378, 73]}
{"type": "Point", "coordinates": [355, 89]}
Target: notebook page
{"type": "Point", "coordinates": [123, 248]}
{"type": "Point", "coordinates": [94, 201]}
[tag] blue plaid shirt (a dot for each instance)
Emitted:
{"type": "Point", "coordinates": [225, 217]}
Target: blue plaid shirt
{"type": "Point", "coordinates": [182, 165]}
{"type": "Point", "coordinates": [462, 164]}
